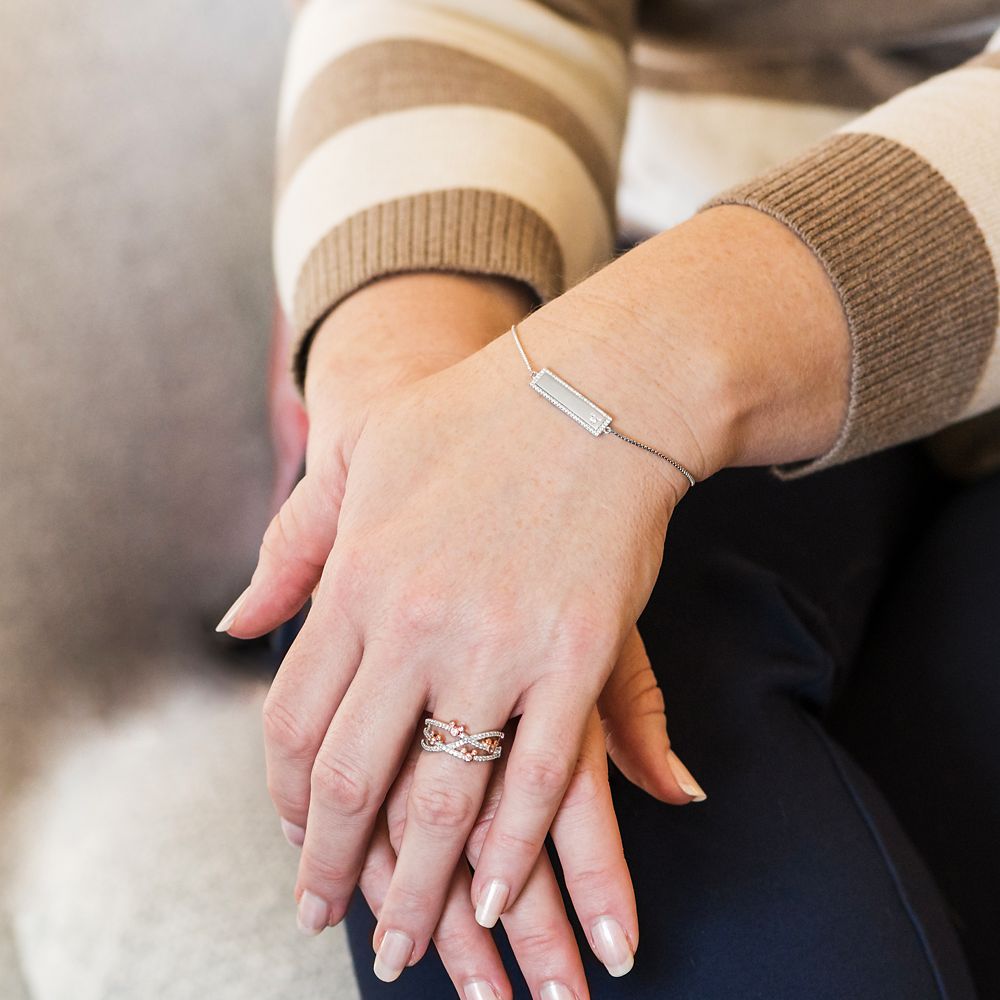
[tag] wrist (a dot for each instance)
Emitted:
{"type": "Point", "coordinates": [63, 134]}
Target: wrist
{"type": "Point", "coordinates": [725, 339]}
{"type": "Point", "coordinates": [403, 327]}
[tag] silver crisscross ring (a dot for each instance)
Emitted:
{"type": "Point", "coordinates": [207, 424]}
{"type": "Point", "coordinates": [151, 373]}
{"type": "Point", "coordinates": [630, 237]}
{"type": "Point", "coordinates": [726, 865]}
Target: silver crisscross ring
{"type": "Point", "coordinates": [478, 747]}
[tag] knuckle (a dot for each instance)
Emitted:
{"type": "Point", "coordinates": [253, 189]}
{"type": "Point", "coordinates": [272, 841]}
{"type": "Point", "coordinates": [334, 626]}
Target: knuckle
{"type": "Point", "coordinates": [597, 884]}
{"type": "Point", "coordinates": [348, 569]}
{"type": "Point", "coordinates": [643, 693]}
{"type": "Point", "coordinates": [542, 776]}
{"type": "Point", "coordinates": [327, 873]}
{"type": "Point", "coordinates": [281, 533]}
{"type": "Point", "coordinates": [537, 942]}
{"type": "Point", "coordinates": [516, 845]}
{"type": "Point", "coordinates": [410, 904]}
{"type": "Point", "coordinates": [586, 788]}
{"type": "Point", "coordinates": [420, 613]}
{"type": "Point", "coordinates": [285, 730]}
{"type": "Point", "coordinates": [584, 635]}
{"type": "Point", "coordinates": [453, 938]}
{"type": "Point", "coordinates": [439, 806]}
{"type": "Point", "coordinates": [341, 786]}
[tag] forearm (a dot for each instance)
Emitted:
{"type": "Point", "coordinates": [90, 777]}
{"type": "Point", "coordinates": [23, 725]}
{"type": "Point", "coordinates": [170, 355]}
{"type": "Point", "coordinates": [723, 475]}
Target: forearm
{"type": "Point", "coordinates": [720, 341]}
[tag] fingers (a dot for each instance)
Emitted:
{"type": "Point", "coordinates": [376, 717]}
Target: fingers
{"type": "Point", "coordinates": [354, 768]}
{"type": "Point", "coordinates": [536, 925]}
{"type": "Point", "coordinates": [635, 728]}
{"type": "Point", "coordinates": [306, 692]}
{"type": "Point", "coordinates": [586, 836]}
{"type": "Point", "coordinates": [541, 762]}
{"type": "Point", "coordinates": [442, 803]}
{"type": "Point", "coordinates": [294, 551]}
{"type": "Point", "coordinates": [466, 949]}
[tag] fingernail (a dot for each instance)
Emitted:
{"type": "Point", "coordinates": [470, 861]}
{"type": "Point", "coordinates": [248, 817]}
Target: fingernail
{"type": "Point", "coordinates": [684, 778]}
{"type": "Point", "coordinates": [612, 946]}
{"type": "Point", "coordinates": [555, 991]}
{"type": "Point", "coordinates": [230, 616]}
{"type": "Point", "coordinates": [393, 954]}
{"type": "Point", "coordinates": [480, 990]}
{"type": "Point", "coordinates": [295, 835]}
{"type": "Point", "coordinates": [312, 913]}
{"type": "Point", "coordinates": [491, 902]}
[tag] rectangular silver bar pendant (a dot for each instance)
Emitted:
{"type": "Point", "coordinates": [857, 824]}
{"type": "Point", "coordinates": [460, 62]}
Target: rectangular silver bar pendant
{"type": "Point", "coordinates": [574, 404]}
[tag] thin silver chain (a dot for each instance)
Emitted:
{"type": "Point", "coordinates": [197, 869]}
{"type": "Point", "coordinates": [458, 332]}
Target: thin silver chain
{"type": "Point", "coordinates": [609, 429]}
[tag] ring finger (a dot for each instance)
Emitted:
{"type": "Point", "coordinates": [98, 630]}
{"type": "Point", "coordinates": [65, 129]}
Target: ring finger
{"type": "Point", "coordinates": [537, 926]}
{"type": "Point", "coordinates": [442, 804]}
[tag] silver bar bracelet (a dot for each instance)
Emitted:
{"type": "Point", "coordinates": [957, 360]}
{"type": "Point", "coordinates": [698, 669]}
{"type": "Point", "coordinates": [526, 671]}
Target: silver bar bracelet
{"type": "Point", "coordinates": [584, 411]}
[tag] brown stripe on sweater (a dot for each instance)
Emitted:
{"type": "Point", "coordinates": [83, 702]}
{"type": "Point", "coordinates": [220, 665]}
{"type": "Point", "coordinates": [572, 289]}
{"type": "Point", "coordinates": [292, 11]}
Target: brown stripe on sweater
{"type": "Point", "coordinates": [611, 17]}
{"type": "Point", "coordinates": [834, 80]}
{"type": "Point", "coordinates": [394, 74]}
{"type": "Point", "coordinates": [460, 229]}
{"type": "Point", "coordinates": [914, 275]}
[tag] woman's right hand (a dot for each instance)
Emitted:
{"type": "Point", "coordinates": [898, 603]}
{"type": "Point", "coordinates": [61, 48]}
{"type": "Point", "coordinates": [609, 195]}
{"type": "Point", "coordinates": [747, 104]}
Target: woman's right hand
{"type": "Point", "coordinates": [392, 332]}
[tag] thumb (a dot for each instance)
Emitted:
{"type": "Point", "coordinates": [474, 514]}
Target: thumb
{"type": "Point", "coordinates": [294, 550]}
{"type": "Point", "coordinates": [635, 728]}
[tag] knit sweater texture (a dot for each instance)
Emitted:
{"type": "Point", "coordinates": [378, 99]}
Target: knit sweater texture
{"type": "Point", "coordinates": [485, 136]}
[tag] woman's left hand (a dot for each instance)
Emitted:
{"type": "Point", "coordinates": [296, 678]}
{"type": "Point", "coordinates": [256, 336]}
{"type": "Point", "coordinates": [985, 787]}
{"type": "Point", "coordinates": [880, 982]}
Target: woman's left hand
{"type": "Point", "coordinates": [490, 560]}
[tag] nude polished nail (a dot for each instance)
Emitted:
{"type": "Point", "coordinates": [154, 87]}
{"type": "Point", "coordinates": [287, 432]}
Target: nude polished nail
{"type": "Point", "coordinates": [611, 945]}
{"type": "Point", "coordinates": [492, 900]}
{"type": "Point", "coordinates": [684, 778]}
{"type": "Point", "coordinates": [230, 616]}
{"type": "Point", "coordinates": [479, 989]}
{"type": "Point", "coordinates": [555, 991]}
{"type": "Point", "coordinates": [393, 954]}
{"type": "Point", "coordinates": [295, 835]}
{"type": "Point", "coordinates": [312, 914]}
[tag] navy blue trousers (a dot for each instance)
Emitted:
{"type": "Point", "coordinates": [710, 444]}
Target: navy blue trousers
{"type": "Point", "coordinates": [828, 648]}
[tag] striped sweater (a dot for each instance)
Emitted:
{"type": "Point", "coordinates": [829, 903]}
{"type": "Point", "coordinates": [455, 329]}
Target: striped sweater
{"type": "Point", "coordinates": [487, 136]}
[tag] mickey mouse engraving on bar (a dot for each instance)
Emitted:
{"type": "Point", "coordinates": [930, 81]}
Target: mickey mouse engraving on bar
{"type": "Point", "coordinates": [574, 404]}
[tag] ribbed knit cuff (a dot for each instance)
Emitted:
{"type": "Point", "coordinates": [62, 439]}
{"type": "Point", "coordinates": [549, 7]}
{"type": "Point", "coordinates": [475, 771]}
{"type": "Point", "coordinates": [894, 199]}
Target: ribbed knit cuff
{"type": "Point", "coordinates": [459, 230]}
{"type": "Point", "coordinates": [914, 277]}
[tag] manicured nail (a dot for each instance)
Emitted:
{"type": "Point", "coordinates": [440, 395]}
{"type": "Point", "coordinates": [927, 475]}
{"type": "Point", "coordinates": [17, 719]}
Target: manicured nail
{"type": "Point", "coordinates": [492, 900]}
{"type": "Point", "coordinates": [684, 778]}
{"type": "Point", "coordinates": [612, 945]}
{"type": "Point", "coordinates": [312, 914]}
{"type": "Point", "coordinates": [555, 991]}
{"type": "Point", "coordinates": [393, 954]}
{"type": "Point", "coordinates": [230, 616]}
{"type": "Point", "coordinates": [295, 835]}
{"type": "Point", "coordinates": [480, 990]}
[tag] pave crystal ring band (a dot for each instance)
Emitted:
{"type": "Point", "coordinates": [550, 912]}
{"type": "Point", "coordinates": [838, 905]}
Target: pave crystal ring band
{"type": "Point", "coordinates": [478, 747]}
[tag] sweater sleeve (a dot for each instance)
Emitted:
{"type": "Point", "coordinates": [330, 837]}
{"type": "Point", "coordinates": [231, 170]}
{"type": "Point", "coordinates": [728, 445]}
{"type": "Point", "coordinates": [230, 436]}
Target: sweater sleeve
{"type": "Point", "coordinates": [447, 135]}
{"type": "Point", "coordinates": [902, 208]}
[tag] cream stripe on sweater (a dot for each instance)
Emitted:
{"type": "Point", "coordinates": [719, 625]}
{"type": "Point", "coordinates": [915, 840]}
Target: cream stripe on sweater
{"type": "Point", "coordinates": [478, 136]}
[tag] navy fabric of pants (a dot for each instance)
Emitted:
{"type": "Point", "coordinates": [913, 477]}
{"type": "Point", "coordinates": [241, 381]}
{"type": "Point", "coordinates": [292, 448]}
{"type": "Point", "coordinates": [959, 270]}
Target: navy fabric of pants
{"type": "Point", "coordinates": [922, 713]}
{"type": "Point", "coordinates": [791, 620]}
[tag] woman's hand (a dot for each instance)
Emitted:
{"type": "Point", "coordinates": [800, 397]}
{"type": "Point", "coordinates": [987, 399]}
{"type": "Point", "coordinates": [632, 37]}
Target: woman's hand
{"type": "Point", "coordinates": [586, 838]}
{"type": "Point", "coordinates": [490, 560]}
{"type": "Point", "coordinates": [762, 393]}
{"type": "Point", "coordinates": [390, 333]}
{"type": "Point", "coordinates": [380, 344]}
